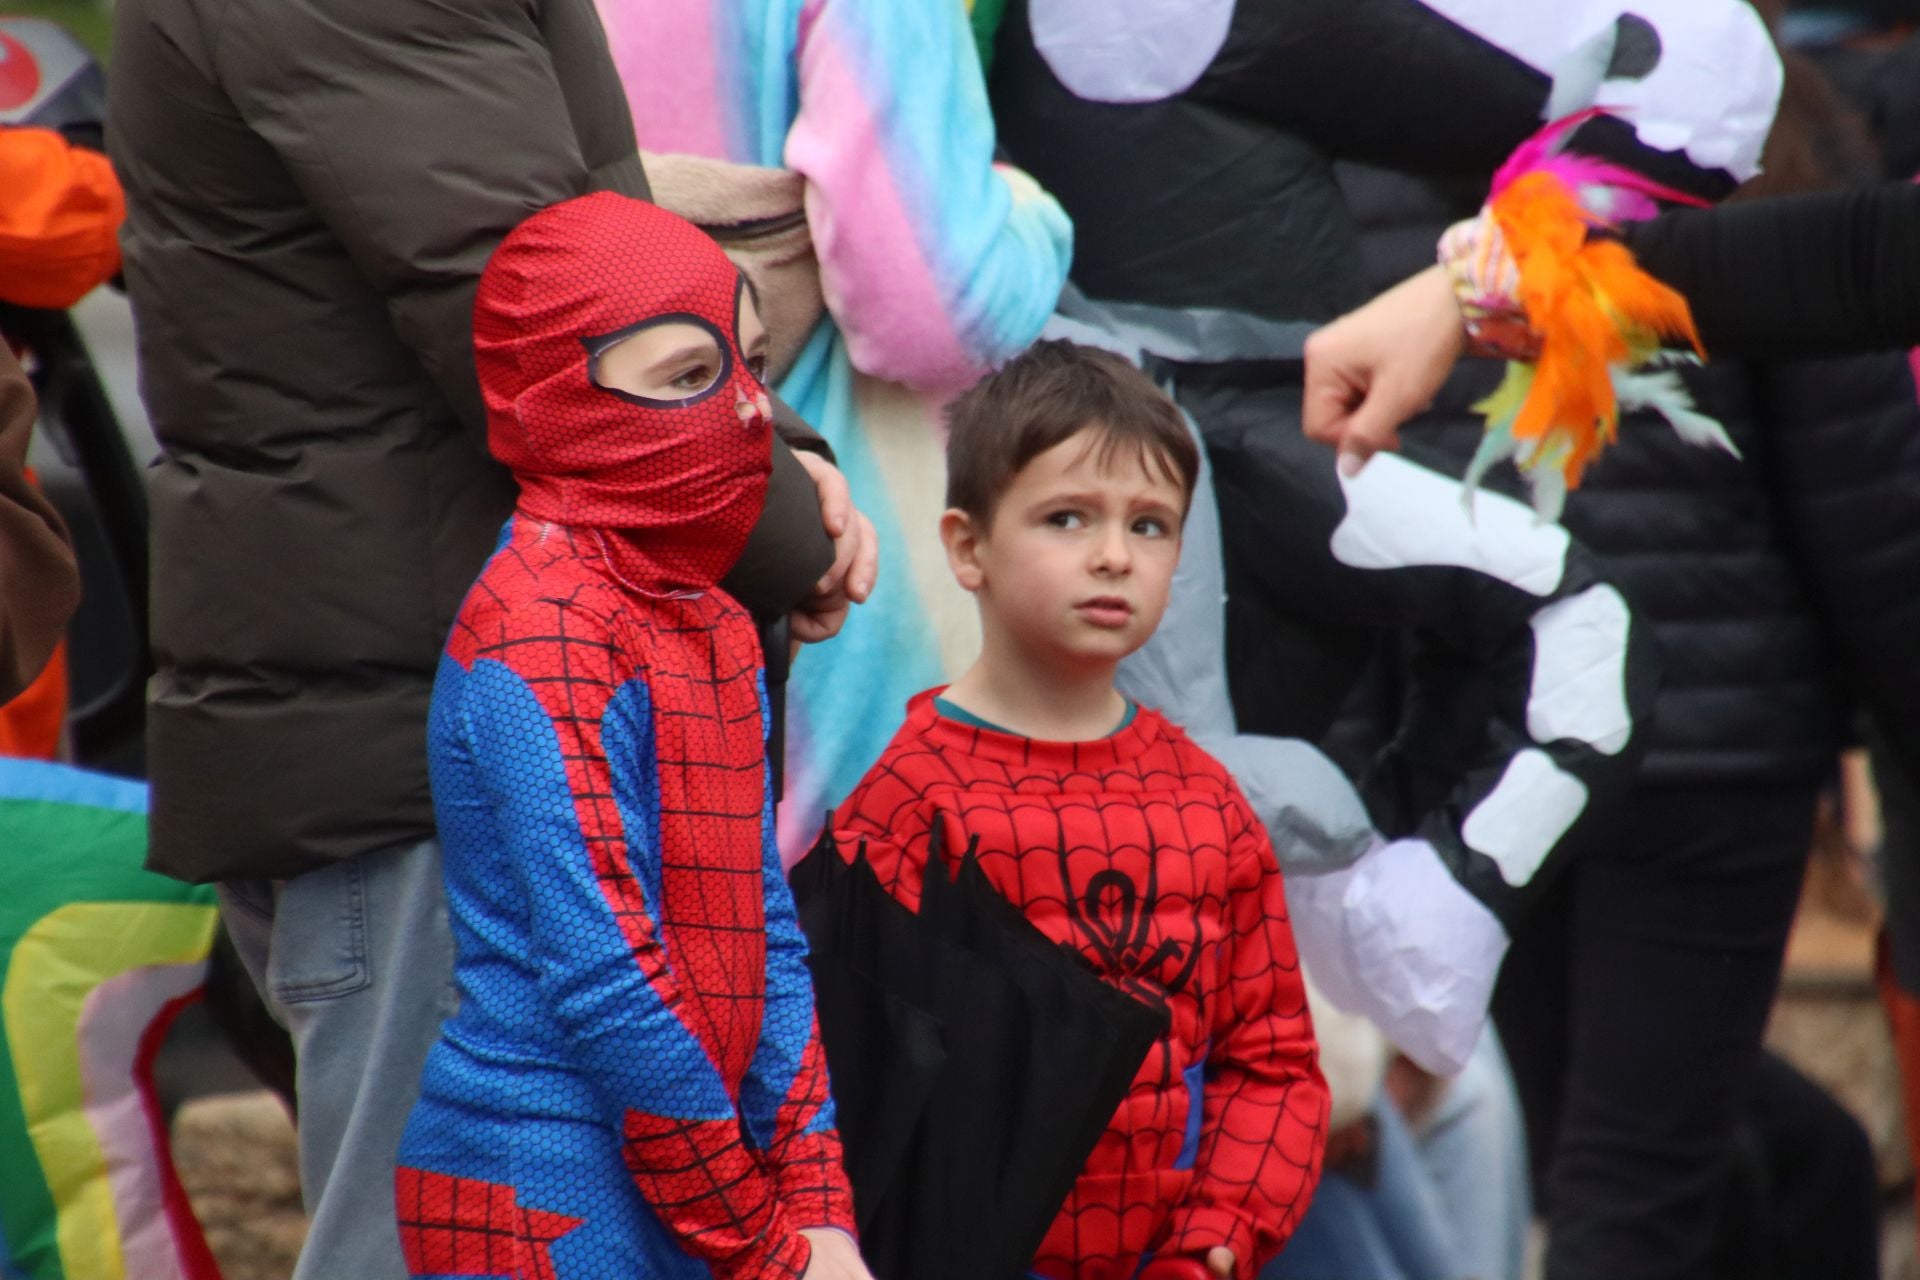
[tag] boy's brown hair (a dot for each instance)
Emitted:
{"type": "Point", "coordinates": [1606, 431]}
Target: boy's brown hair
{"type": "Point", "coordinates": [1045, 395]}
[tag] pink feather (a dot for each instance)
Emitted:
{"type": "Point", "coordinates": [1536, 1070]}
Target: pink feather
{"type": "Point", "coordinates": [1608, 192]}
{"type": "Point", "coordinates": [1527, 156]}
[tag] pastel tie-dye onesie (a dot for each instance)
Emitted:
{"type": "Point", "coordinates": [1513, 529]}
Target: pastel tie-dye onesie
{"type": "Point", "coordinates": [935, 264]}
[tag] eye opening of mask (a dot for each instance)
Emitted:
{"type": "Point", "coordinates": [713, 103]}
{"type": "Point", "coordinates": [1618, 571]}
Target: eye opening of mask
{"type": "Point", "coordinates": [601, 346]}
{"type": "Point", "coordinates": [756, 361]}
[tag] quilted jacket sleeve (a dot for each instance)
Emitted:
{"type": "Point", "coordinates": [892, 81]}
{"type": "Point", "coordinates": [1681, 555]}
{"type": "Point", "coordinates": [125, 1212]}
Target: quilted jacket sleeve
{"type": "Point", "coordinates": [476, 130]}
{"type": "Point", "coordinates": [1820, 274]}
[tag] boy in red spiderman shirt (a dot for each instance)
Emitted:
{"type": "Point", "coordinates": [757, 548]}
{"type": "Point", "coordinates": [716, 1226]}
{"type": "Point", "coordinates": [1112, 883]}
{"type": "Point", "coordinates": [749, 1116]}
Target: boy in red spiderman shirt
{"type": "Point", "coordinates": [1069, 476]}
{"type": "Point", "coordinates": [632, 1084]}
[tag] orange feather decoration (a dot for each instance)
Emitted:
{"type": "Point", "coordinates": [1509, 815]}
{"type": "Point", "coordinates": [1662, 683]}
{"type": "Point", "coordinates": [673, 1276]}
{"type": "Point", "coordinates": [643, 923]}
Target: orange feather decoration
{"type": "Point", "coordinates": [1593, 309]}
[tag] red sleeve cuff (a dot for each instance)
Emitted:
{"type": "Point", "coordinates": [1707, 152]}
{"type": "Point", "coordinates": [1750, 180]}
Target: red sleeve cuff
{"type": "Point", "coordinates": [781, 1254]}
{"type": "Point", "coordinates": [813, 1184]}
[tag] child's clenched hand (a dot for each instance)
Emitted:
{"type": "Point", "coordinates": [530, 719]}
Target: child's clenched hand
{"type": "Point", "coordinates": [835, 1256]}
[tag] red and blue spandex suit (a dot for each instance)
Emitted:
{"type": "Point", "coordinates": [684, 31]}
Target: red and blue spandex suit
{"type": "Point", "coordinates": [633, 1085]}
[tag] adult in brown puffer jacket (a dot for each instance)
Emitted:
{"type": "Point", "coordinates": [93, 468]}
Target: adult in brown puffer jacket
{"type": "Point", "coordinates": [313, 187]}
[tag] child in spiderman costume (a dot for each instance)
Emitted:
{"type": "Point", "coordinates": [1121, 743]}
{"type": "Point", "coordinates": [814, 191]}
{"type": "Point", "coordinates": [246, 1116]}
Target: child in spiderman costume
{"type": "Point", "coordinates": [1069, 479]}
{"type": "Point", "coordinates": [632, 1085]}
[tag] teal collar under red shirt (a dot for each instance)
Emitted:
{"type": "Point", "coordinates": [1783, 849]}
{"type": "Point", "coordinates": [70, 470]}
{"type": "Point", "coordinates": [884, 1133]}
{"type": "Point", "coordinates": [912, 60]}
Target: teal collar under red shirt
{"type": "Point", "coordinates": [955, 712]}
{"type": "Point", "coordinates": [1142, 731]}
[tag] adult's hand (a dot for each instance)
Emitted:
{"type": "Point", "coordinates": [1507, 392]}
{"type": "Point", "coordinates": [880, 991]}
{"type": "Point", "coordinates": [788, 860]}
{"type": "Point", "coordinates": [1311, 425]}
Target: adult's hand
{"type": "Point", "coordinates": [835, 1256]}
{"type": "Point", "coordinates": [856, 556]}
{"type": "Point", "coordinates": [1375, 367]}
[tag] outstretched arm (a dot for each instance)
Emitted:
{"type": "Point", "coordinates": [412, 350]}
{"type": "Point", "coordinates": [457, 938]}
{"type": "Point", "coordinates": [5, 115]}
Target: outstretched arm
{"type": "Point", "coordinates": [1807, 275]}
{"type": "Point", "coordinates": [1832, 273]}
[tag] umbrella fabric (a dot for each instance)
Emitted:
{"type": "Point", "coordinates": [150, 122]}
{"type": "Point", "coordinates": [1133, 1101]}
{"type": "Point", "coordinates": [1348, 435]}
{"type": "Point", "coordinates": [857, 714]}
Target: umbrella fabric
{"type": "Point", "coordinates": [1102, 1036]}
{"type": "Point", "coordinates": [849, 919]}
{"type": "Point", "coordinates": [974, 1063]}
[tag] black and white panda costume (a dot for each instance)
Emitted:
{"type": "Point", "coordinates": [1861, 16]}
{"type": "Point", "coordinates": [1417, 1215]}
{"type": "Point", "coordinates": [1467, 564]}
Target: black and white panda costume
{"type": "Point", "coordinates": [1193, 142]}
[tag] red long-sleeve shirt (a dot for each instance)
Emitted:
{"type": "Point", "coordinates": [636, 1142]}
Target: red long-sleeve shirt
{"type": "Point", "coordinates": [1139, 852]}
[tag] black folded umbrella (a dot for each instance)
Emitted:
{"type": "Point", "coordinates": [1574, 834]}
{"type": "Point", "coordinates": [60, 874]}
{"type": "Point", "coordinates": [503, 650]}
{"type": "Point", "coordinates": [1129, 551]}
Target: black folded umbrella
{"type": "Point", "coordinates": [975, 1063]}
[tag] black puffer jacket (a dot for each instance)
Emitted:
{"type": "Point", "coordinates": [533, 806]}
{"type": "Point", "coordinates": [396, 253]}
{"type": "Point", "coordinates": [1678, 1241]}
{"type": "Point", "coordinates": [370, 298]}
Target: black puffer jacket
{"type": "Point", "coordinates": [1849, 483]}
{"type": "Point", "coordinates": [1777, 583]}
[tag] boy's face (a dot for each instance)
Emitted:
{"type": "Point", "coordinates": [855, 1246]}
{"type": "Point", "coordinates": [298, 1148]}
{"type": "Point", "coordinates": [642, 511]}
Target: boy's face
{"type": "Point", "coordinates": [1075, 565]}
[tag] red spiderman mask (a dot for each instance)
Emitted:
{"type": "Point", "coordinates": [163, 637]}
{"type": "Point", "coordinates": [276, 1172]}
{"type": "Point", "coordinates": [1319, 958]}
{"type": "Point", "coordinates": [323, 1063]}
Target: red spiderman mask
{"type": "Point", "coordinates": [668, 484]}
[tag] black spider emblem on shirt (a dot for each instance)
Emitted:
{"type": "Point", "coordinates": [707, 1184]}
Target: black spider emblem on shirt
{"type": "Point", "coordinates": [1114, 917]}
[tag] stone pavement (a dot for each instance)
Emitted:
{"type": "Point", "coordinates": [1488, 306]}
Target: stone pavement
{"type": "Point", "coordinates": [235, 1153]}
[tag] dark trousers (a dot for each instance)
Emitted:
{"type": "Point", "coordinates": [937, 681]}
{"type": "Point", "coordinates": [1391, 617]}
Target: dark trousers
{"type": "Point", "coordinates": [1633, 1003]}
{"type": "Point", "coordinates": [1803, 1199]}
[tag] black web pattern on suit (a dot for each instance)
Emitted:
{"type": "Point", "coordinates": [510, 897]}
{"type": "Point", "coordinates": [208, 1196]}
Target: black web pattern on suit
{"type": "Point", "coordinates": [1150, 865]}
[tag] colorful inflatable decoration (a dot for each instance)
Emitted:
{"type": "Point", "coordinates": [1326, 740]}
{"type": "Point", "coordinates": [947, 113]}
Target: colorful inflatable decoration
{"type": "Point", "coordinates": [97, 958]}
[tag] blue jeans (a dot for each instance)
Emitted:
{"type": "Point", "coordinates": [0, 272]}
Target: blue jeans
{"type": "Point", "coordinates": [1473, 1146]}
{"type": "Point", "coordinates": [1448, 1202]}
{"type": "Point", "coordinates": [1395, 1229]}
{"type": "Point", "coordinates": [356, 960]}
